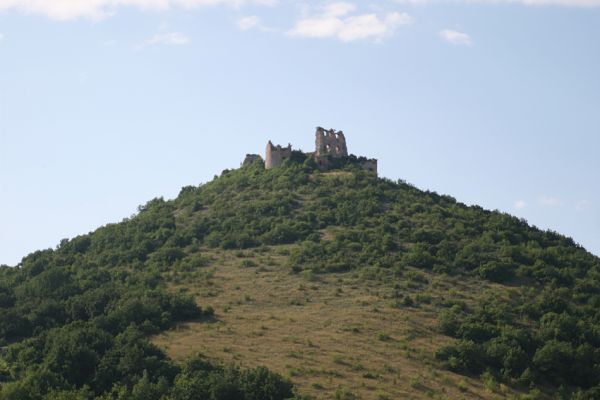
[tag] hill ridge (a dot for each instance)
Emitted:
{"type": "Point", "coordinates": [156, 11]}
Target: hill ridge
{"type": "Point", "coordinates": [538, 314]}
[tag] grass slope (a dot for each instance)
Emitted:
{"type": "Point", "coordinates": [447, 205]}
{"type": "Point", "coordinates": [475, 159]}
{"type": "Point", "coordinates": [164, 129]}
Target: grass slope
{"type": "Point", "coordinates": [339, 335]}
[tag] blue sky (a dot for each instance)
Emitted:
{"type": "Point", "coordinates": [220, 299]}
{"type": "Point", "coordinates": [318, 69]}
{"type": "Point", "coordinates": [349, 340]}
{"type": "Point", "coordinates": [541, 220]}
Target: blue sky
{"type": "Point", "coordinates": [106, 104]}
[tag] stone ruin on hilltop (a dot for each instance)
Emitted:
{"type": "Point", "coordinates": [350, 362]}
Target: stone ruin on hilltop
{"type": "Point", "coordinates": [330, 148]}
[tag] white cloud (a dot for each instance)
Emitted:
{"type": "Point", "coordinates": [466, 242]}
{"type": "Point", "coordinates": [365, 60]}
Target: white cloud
{"type": "Point", "coordinates": [338, 9]}
{"type": "Point", "coordinates": [1, 37]}
{"type": "Point", "coordinates": [249, 22]}
{"type": "Point", "coordinates": [253, 22]}
{"type": "Point", "coordinates": [549, 201]}
{"type": "Point", "coordinates": [456, 37]}
{"type": "Point", "coordinates": [168, 38]}
{"type": "Point", "coordinates": [99, 9]}
{"type": "Point", "coordinates": [317, 27]}
{"type": "Point", "coordinates": [583, 205]}
{"type": "Point", "coordinates": [520, 204]}
{"type": "Point", "coordinates": [564, 3]}
{"type": "Point", "coordinates": [336, 21]}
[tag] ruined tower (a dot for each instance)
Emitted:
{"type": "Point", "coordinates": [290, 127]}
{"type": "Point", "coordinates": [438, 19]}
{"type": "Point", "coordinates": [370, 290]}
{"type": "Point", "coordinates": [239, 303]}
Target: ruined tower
{"type": "Point", "coordinates": [330, 143]}
{"type": "Point", "coordinates": [275, 155]}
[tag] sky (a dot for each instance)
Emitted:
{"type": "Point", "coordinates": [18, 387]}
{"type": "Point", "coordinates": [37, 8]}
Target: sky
{"type": "Point", "coordinates": [106, 104]}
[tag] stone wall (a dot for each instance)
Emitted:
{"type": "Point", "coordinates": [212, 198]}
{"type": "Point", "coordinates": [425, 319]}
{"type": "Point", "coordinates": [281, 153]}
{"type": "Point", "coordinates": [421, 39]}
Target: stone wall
{"type": "Point", "coordinates": [369, 165]}
{"type": "Point", "coordinates": [275, 155]}
{"type": "Point", "coordinates": [330, 143]}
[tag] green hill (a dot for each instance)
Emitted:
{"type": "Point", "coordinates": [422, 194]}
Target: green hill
{"type": "Point", "coordinates": [393, 292]}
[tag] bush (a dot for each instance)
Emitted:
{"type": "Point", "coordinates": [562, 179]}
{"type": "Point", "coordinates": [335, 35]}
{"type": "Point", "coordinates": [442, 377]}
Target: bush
{"type": "Point", "coordinates": [497, 271]}
{"type": "Point", "coordinates": [248, 264]}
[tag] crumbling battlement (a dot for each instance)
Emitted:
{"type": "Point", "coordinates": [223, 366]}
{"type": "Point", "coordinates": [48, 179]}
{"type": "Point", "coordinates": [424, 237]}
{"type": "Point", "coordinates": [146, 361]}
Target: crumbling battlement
{"type": "Point", "coordinates": [330, 146]}
{"type": "Point", "coordinates": [369, 165]}
{"type": "Point", "coordinates": [275, 155]}
{"type": "Point", "coordinates": [330, 143]}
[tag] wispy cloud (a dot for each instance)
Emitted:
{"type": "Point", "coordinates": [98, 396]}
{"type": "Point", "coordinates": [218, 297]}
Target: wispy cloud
{"type": "Point", "coordinates": [339, 20]}
{"type": "Point", "coordinates": [549, 201]}
{"type": "Point", "coordinates": [520, 204]}
{"type": "Point", "coordinates": [456, 38]}
{"type": "Point", "coordinates": [583, 205]}
{"type": "Point", "coordinates": [564, 3]}
{"type": "Point", "coordinates": [166, 38]}
{"type": "Point", "coordinates": [1, 37]}
{"type": "Point", "coordinates": [253, 22]}
{"type": "Point", "coordinates": [246, 23]}
{"type": "Point", "coordinates": [99, 9]}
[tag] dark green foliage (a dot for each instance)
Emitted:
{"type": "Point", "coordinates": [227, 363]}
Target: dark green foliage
{"type": "Point", "coordinates": [92, 301]}
{"type": "Point", "coordinates": [200, 380]}
{"type": "Point", "coordinates": [497, 271]}
{"type": "Point", "coordinates": [76, 319]}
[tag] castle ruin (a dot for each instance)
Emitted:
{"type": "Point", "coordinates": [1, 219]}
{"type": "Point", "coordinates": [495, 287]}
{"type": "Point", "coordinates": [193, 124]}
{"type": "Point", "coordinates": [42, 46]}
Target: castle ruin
{"type": "Point", "coordinates": [330, 143]}
{"type": "Point", "coordinates": [275, 155]}
{"type": "Point", "coordinates": [330, 148]}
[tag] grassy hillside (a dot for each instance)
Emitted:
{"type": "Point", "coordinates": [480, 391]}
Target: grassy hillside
{"type": "Point", "coordinates": [348, 285]}
{"type": "Point", "coordinates": [336, 335]}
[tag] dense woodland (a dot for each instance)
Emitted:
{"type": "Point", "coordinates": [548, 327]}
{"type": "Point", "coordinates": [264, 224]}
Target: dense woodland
{"type": "Point", "coordinates": [75, 320]}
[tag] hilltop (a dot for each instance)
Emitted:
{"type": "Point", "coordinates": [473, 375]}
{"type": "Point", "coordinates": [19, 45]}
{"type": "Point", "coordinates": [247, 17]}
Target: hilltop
{"type": "Point", "coordinates": [343, 284]}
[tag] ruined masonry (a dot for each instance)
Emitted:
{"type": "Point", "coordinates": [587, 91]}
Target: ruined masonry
{"type": "Point", "coordinates": [275, 155]}
{"type": "Point", "coordinates": [329, 146]}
